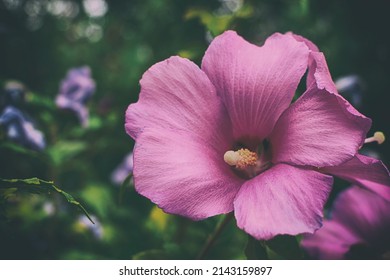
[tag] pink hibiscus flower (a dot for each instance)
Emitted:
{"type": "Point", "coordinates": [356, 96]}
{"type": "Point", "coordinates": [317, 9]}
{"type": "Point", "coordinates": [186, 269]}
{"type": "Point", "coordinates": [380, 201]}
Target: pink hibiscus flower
{"type": "Point", "coordinates": [224, 137]}
{"type": "Point", "coordinates": [359, 228]}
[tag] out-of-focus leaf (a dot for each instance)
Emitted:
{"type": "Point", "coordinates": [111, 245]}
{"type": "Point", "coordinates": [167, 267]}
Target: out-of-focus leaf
{"type": "Point", "coordinates": [38, 100]}
{"type": "Point", "coordinates": [18, 149]}
{"type": "Point", "coordinates": [153, 254]}
{"type": "Point", "coordinates": [172, 249]}
{"type": "Point", "coordinates": [245, 11]}
{"type": "Point", "coordinates": [99, 197]}
{"type": "Point", "coordinates": [169, 251]}
{"type": "Point", "coordinates": [218, 23]}
{"type": "Point", "coordinates": [95, 122]}
{"type": "Point", "coordinates": [65, 150]}
{"type": "Point", "coordinates": [81, 255]}
{"type": "Point", "coordinates": [285, 247]}
{"type": "Point", "coordinates": [255, 249]}
{"type": "Point", "coordinates": [189, 53]}
{"type": "Point", "coordinates": [304, 5]}
{"type": "Point", "coordinates": [157, 219]}
{"type": "Point", "coordinates": [35, 185]}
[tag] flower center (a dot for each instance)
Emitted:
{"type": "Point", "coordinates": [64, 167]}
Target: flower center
{"type": "Point", "coordinates": [241, 159]}
{"type": "Point", "coordinates": [247, 164]}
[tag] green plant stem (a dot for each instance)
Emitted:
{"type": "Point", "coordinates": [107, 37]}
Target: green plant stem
{"type": "Point", "coordinates": [213, 237]}
{"type": "Point", "coordinates": [122, 189]}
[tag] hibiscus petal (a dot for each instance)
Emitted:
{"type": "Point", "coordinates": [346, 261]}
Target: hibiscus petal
{"type": "Point", "coordinates": [176, 94]}
{"type": "Point", "coordinates": [366, 172]}
{"type": "Point", "coordinates": [364, 213]}
{"type": "Point", "coordinates": [319, 72]}
{"type": "Point", "coordinates": [319, 76]}
{"type": "Point", "coordinates": [315, 131]}
{"type": "Point", "coordinates": [308, 43]}
{"type": "Point", "coordinates": [256, 83]}
{"type": "Point", "coordinates": [183, 175]}
{"type": "Point", "coordinates": [318, 68]}
{"type": "Point", "coordinates": [331, 242]}
{"type": "Point", "coordinates": [282, 200]}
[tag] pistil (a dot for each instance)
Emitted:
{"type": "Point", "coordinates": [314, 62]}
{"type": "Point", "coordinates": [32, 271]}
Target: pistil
{"type": "Point", "coordinates": [378, 137]}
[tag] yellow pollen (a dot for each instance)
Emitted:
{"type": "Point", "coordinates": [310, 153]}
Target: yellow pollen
{"type": "Point", "coordinates": [378, 137]}
{"type": "Point", "coordinates": [241, 158]}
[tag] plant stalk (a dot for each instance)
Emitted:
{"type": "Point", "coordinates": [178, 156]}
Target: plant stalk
{"type": "Point", "coordinates": [213, 237]}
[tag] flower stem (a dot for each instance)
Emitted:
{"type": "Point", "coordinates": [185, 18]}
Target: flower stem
{"type": "Point", "coordinates": [212, 237]}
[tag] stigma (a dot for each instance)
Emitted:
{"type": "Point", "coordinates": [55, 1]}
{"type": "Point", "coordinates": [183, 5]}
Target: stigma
{"type": "Point", "coordinates": [378, 137]}
{"type": "Point", "coordinates": [241, 158]}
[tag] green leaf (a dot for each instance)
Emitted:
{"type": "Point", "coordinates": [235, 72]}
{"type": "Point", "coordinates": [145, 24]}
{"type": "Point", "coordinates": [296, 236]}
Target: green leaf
{"type": "Point", "coordinates": [35, 185]}
{"type": "Point", "coordinates": [35, 99]}
{"type": "Point", "coordinates": [18, 149]}
{"type": "Point", "coordinates": [153, 254]}
{"type": "Point", "coordinates": [170, 251]}
{"type": "Point", "coordinates": [255, 249]}
{"type": "Point", "coordinates": [216, 24]}
{"type": "Point", "coordinates": [99, 197]}
{"type": "Point", "coordinates": [304, 6]}
{"type": "Point", "coordinates": [285, 247]}
{"type": "Point", "coordinates": [65, 150]}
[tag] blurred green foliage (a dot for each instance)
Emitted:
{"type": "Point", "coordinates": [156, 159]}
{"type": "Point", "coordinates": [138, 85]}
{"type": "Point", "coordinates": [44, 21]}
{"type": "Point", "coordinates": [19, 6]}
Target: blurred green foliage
{"type": "Point", "coordinates": [41, 41]}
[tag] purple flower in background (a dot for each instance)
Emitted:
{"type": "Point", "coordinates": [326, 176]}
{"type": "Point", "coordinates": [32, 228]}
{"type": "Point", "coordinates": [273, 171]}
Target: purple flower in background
{"type": "Point", "coordinates": [119, 175]}
{"type": "Point", "coordinates": [75, 91]}
{"type": "Point", "coordinates": [224, 137]}
{"type": "Point", "coordinates": [20, 129]}
{"type": "Point", "coordinates": [351, 87]}
{"type": "Point", "coordinates": [359, 228]}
